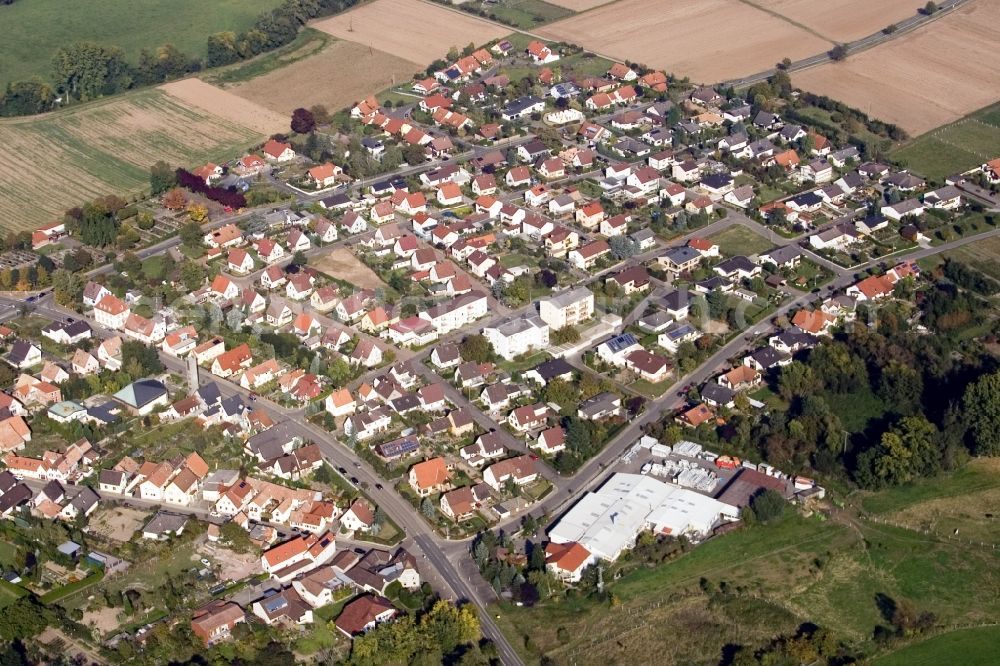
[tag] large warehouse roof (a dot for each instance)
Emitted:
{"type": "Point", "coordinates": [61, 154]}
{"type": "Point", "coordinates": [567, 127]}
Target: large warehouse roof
{"type": "Point", "coordinates": [608, 521]}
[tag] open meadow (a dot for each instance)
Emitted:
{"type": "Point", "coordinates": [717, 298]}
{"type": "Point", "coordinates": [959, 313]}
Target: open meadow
{"type": "Point", "coordinates": [707, 40]}
{"type": "Point", "coordinates": [323, 79]}
{"type": "Point", "coordinates": [977, 646]}
{"type": "Point", "coordinates": [52, 162]}
{"type": "Point", "coordinates": [957, 147]}
{"type": "Point", "coordinates": [420, 32]}
{"type": "Point", "coordinates": [924, 79]}
{"type": "Point", "coordinates": [967, 500]}
{"type": "Point", "coordinates": [129, 24]}
{"type": "Point", "coordinates": [738, 239]}
{"type": "Point", "coordinates": [776, 577]}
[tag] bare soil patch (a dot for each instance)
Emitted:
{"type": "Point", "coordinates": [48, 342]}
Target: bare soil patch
{"type": "Point", "coordinates": [924, 79]}
{"type": "Point", "coordinates": [409, 29]}
{"type": "Point", "coordinates": [105, 620]}
{"type": "Point", "coordinates": [118, 523]}
{"type": "Point", "coordinates": [842, 20]}
{"type": "Point", "coordinates": [226, 105]}
{"type": "Point", "coordinates": [324, 79]}
{"type": "Point", "coordinates": [707, 40]}
{"type": "Point", "coordinates": [343, 265]}
{"type": "Point", "coordinates": [232, 565]}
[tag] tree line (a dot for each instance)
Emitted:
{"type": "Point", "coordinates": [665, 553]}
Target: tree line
{"type": "Point", "coordinates": [271, 30]}
{"type": "Point", "coordinates": [85, 70]}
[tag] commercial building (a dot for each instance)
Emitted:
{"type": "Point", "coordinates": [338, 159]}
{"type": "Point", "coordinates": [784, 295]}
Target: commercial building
{"type": "Point", "coordinates": [606, 522]}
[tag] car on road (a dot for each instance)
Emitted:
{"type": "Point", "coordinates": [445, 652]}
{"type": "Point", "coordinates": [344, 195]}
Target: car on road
{"type": "Point", "coordinates": [378, 486]}
{"type": "Point", "coordinates": [354, 480]}
{"type": "Point", "coordinates": [253, 396]}
{"type": "Point", "coordinates": [358, 465]}
{"type": "Point", "coordinates": [342, 470]}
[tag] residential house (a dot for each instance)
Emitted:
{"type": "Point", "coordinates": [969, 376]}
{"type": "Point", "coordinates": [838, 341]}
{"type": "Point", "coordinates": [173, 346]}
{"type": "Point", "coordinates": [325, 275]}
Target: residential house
{"type": "Point", "coordinates": [520, 471]}
{"type": "Point", "coordinates": [429, 477]}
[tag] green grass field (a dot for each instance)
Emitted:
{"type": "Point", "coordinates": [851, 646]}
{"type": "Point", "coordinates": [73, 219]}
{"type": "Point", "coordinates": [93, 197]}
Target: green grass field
{"type": "Point", "coordinates": [42, 26]}
{"type": "Point", "coordinates": [979, 646]}
{"type": "Point", "coordinates": [957, 147]}
{"type": "Point", "coordinates": [8, 552]}
{"type": "Point", "coordinates": [738, 239]}
{"type": "Point", "coordinates": [527, 14]}
{"type": "Point", "coordinates": [856, 409]}
{"type": "Point", "coordinates": [801, 569]}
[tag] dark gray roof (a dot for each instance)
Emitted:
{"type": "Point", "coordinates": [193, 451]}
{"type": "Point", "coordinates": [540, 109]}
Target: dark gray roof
{"type": "Point", "coordinates": [165, 523]}
{"type": "Point", "coordinates": [716, 180]}
{"type": "Point", "coordinates": [717, 393]}
{"type": "Point", "coordinates": [677, 299]}
{"type": "Point", "coordinates": [209, 393]}
{"type": "Point", "coordinates": [14, 497]}
{"type": "Point", "coordinates": [768, 357]}
{"type": "Point", "coordinates": [552, 369]}
{"type": "Point", "coordinates": [19, 351]}
{"type": "Point", "coordinates": [783, 253]}
{"type": "Point", "coordinates": [737, 263]}
{"type": "Point", "coordinates": [681, 255]}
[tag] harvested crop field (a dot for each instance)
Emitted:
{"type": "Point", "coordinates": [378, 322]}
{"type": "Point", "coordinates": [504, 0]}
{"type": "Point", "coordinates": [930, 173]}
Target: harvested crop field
{"type": "Point", "coordinates": [707, 40]}
{"type": "Point", "coordinates": [341, 264]}
{"type": "Point", "coordinates": [233, 108]}
{"type": "Point", "coordinates": [410, 29]}
{"type": "Point", "coordinates": [52, 162]}
{"type": "Point", "coordinates": [323, 79]}
{"type": "Point", "coordinates": [923, 79]}
{"type": "Point", "coordinates": [842, 20]}
{"type": "Point", "coordinates": [580, 5]}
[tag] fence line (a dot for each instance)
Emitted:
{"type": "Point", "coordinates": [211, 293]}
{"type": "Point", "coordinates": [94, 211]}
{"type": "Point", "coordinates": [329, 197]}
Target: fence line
{"type": "Point", "coordinates": [927, 532]}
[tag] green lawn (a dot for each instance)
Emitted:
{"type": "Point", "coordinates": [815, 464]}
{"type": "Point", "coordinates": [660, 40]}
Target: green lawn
{"type": "Point", "coordinates": [517, 259]}
{"type": "Point", "coordinates": [649, 389]}
{"type": "Point", "coordinates": [814, 274]}
{"type": "Point", "coordinates": [960, 146]}
{"type": "Point", "coordinates": [527, 14]}
{"type": "Point", "coordinates": [738, 239]}
{"type": "Point", "coordinates": [9, 593]}
{"type": "Point", "coordinates": [40, 27]}
{"type": "Point", "coordinates": [978, 646]}
{"type": "Point", "coordinates": [8, 552]}
{"type": "Point", "coordinates": [856, 409]}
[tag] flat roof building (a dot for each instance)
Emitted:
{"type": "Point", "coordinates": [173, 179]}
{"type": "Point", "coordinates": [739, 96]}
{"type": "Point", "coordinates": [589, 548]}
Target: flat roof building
{"type": "Point", "coordinates": [606, 522]}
